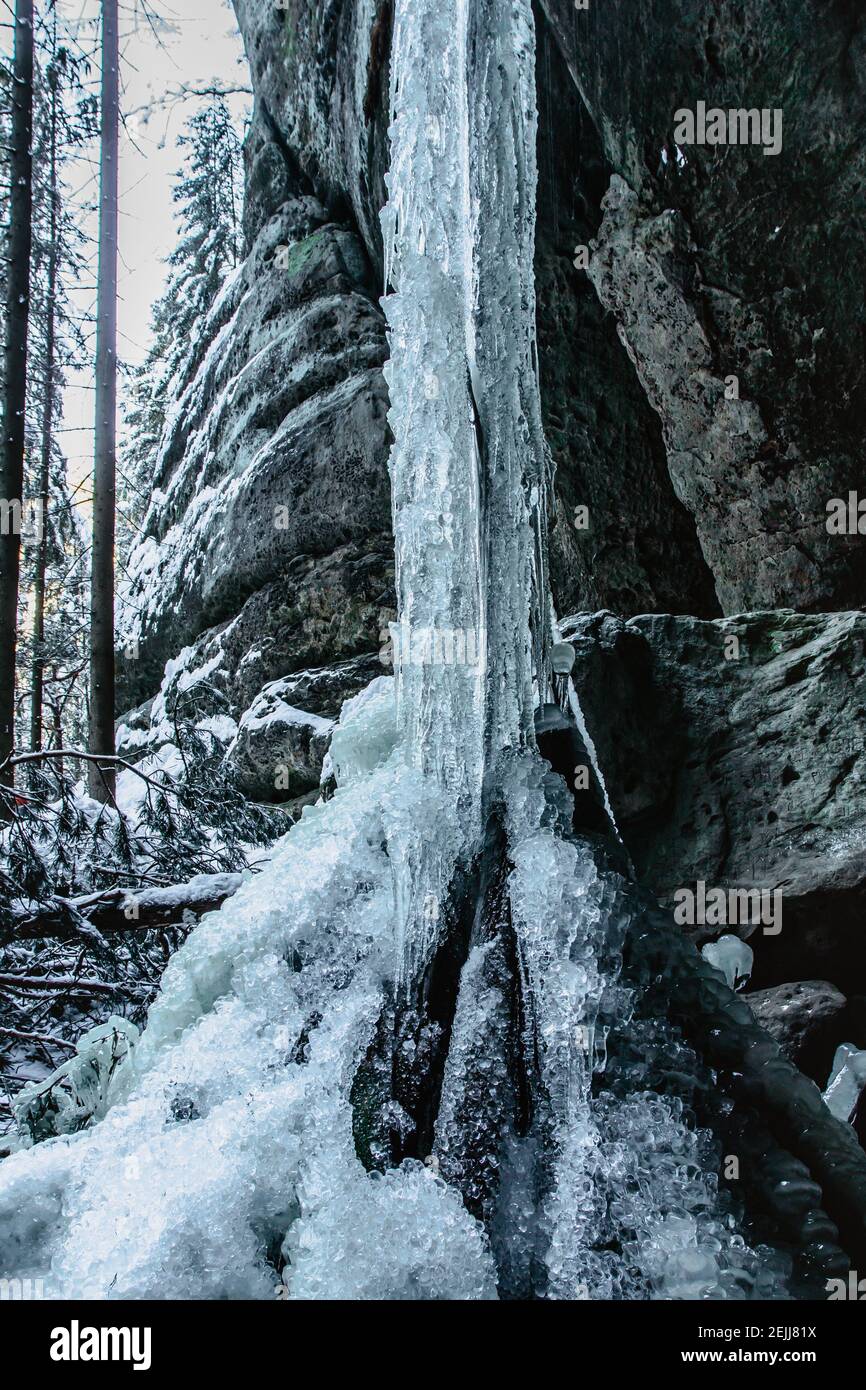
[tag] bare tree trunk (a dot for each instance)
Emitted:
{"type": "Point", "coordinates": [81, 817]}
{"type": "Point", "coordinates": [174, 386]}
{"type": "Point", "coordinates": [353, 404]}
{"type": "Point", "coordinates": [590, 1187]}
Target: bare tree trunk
{"type": "Point", "coordinates": [15, 386]}
{"type": "Point", "coordinates": [37, 681]}
{"type": "Point", "coordinates": [56, 707]}
{"type": "Point", "coordinates": [101, 780]}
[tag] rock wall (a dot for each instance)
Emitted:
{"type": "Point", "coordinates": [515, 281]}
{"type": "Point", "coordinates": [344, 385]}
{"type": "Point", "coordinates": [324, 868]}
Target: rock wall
{"type": "Point", "coordinates": [733, 756]}
{"type": "Point", "coordinates": [706, 264]}
{"type": "Point", "coordinates": [721, 260]}
{"type": "Point", "coordinates": [266, 550]}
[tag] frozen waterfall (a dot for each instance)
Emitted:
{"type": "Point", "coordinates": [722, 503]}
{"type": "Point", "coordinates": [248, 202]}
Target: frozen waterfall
{"type": "Point", "coordinates": [430, 965]}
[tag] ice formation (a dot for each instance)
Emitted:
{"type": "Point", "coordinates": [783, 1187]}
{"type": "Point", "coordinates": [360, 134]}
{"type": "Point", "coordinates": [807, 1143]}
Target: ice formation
{"type": "Point", "coordinates": [847, 1080]}
{"type": "Point", "coordinates": [231, 1134]}
{"type": "Point", "coordinates": [732, 958]}
{"type": "Point", "coordinates": [254, 1144]}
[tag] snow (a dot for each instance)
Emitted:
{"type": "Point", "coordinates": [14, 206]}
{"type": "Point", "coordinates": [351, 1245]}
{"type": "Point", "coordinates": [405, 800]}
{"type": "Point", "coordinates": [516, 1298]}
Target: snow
{"type": "Point", "coordinates": [200, 886]}
{"type": "Point", "coordinates": [177, 679]}
{"type": "Point", "coordinates": [222, 726]}
{"type": "Point", "coordinates": [131, 790]}
{"type": "Point", "coordinates": [128, 739]}
{"type": "Point", "coordinates": [188, 679]}
{"type": "Point", "coordinates": [269, 708]}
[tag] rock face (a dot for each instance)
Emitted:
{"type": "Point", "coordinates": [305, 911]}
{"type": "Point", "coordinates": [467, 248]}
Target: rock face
{"type": "Point", "coordinates": [717, 443]}
{"type": "Point", "coordinates": [808, 1021]}
{"type": "Point", "coordinates": [698, 502]}
{"type": "Point", "coordinates": [320, 76]}
{"type": "Point", "coordinates": [276, 446]}
{"type": "Point", "coordinates": [266, 551]}
{"type": "Point", "coordinates": [640, 550]}
{"type": "Point", "coordinates": [733, 754]}
{"type": "Point", "coordinates": [719, 261]}
{"type": "Point", "coordinates": [320, 73]}
{"type": "Point", "coordinates": [704, 399]}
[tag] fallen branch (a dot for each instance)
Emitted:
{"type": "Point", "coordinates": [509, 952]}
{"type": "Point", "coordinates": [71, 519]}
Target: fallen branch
{"type": "Point", "coordinates": [47, 1038]}
{"type": "Point", "coordinates": [30, 983]}
{"type": "Point", "coordinates": [120, 910]}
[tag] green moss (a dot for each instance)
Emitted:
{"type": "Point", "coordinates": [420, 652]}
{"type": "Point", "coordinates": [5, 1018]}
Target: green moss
{"type": "Point", "coordinates": [301, 253]}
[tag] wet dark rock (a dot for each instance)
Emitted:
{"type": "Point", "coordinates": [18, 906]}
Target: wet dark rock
{"type": "Point", "coordinates": [726, 261]}
{"type": "Point", "coordinates": [807, 1020]}
{"type": "Point", "coordinates": [740, 770]}
{"type": "Point", "coordinates": [639, 552]}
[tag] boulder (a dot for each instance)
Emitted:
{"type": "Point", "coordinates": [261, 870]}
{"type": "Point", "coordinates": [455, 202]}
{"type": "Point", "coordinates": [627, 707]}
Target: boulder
{"type": "Point", "coordinates": [807, 1020]}
{"type": "Point", "coordinates": [278, 751]}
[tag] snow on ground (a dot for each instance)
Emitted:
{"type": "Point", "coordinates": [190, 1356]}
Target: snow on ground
{"type": "Point", "coordinates": [148, 1205]}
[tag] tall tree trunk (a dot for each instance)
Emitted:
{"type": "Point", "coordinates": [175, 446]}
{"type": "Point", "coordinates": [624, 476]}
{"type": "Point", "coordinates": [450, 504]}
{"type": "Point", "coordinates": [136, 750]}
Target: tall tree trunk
{"type": "Point", "coordinates": [38, 669]}
{"type": "Point", "coordinates": [15, 386]}
{"type": "Point", "coordinates": [56, 707]}
{"type": "Point", "coordinates": [101, 780]}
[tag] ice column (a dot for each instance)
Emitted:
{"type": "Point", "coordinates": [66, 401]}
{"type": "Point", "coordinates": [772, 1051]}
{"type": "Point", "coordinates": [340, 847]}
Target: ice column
{"type": "Point", "coordinates": [468, 465]}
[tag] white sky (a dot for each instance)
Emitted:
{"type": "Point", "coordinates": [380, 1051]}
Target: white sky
{"type": "Point", "coordinates": [204, 46]}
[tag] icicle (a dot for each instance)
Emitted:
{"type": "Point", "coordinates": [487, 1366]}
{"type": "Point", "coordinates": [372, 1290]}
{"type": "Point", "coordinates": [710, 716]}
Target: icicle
{"type": "Point", "coordinates": [469, 466]}
{"type": "Point", "coordinates": [440, 641]}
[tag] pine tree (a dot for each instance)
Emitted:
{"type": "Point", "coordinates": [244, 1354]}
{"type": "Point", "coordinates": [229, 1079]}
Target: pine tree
{"type": "Point", "coordinates": [15, 368]}
{"type": "Point", "coordinates": [50, 631]}
{"type": "Point", "coordinates": [101, 779]}
{"type": "Point", "coordinates": [207, 193]}
{"type": "Point", "coordinates": [64, 119]}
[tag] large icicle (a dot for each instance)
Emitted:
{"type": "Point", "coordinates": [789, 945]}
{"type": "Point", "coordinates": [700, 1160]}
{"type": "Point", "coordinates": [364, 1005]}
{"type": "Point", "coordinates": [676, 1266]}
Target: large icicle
{"type": "Point", "coordinates": [468, 467]}
{"type": "Point", "coordinates": [502, 125]}
{"type": "Point", "coordinates": [440, 643]}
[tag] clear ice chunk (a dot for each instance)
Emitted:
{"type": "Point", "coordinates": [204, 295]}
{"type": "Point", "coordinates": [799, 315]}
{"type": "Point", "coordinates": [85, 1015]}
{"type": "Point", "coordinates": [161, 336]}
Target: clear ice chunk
{"type": "Point", "coordinates": [732, 958]}
{"type": "Point", "coordinates": [847, 1080]}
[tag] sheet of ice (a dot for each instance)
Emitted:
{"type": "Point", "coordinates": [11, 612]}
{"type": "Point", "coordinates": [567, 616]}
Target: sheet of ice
{"type": "Point", "coordinates": [847, 1080]}
{"type": "Point", "coordinates": [732, 958]}
{"type": "Point", "coordinates": [78, 1091]}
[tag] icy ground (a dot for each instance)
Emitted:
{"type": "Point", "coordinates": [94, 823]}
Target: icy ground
{"type": "Point", "coordinates": [229, 1150]}
{"type": "Point", "coordinates": [145, 1205]}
